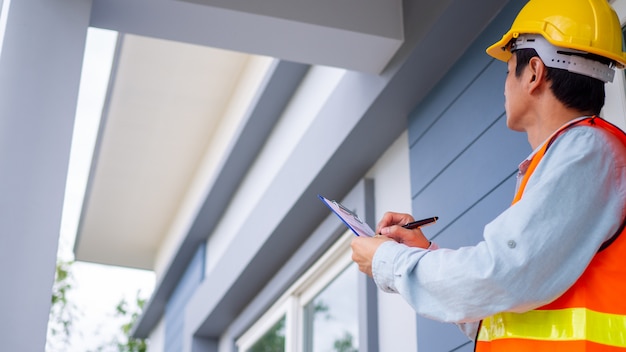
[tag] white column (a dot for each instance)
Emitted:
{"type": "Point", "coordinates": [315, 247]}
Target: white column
{"type": "Point", "coordinates": [40, 64]}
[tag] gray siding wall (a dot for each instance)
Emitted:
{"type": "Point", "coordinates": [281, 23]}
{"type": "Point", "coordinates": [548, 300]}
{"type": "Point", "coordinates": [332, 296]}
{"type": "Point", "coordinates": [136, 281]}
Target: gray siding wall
{"type": "Point", "coordinates": [464, 159]}
{"type": "Point", "coordinates": [175, 307]}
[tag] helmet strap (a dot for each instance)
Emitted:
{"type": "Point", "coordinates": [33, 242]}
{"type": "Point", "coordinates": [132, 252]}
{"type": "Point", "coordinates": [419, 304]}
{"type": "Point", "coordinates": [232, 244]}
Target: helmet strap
{"type": "Point", "coordinates": [564, 58]}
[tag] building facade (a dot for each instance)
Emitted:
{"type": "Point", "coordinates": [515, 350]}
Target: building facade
{"type": "Point", "coordinates": [376, 117]}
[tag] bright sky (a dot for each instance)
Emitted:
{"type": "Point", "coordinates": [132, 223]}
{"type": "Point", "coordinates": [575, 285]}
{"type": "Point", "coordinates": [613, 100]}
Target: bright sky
{"type": "Point", "coordinates": [98, 288]}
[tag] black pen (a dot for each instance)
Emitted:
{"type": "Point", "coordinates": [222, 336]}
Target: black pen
{"type": "Point", "coordinates": [420, 223]}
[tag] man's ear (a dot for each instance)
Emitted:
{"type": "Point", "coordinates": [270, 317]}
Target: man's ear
{"type": "Point", "coordinates": [536, 74]}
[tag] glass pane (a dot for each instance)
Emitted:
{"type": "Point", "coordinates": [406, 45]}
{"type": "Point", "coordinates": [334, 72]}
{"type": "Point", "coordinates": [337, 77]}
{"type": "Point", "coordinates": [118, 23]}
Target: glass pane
{"type": "Point", "coordinates": [330, 319]}
{"type": "Point", "coordinates": [273, 340]}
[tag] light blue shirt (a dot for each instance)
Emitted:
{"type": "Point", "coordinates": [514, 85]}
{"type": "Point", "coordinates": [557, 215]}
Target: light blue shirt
{"type": "Point", "coordinates": [532, 252]}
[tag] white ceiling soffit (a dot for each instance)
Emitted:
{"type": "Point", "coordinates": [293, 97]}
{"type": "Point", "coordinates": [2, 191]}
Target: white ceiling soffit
{"type": "Point", "coordinates": [166, 102]}
{"type": "Point", "coordinates": [353, 34]}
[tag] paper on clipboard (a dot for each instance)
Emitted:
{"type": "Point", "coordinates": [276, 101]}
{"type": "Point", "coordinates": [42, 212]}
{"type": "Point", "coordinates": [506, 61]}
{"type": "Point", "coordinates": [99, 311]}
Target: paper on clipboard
{"type": "Point", "coordinates": [358, 226]}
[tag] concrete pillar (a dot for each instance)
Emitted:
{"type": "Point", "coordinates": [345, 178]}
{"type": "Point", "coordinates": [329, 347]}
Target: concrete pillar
{"type": "Point", "coordinates": [40, 64]}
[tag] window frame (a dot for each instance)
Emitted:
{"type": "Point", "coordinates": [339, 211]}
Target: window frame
{"type": "Point", "coordinates": [292, 302]}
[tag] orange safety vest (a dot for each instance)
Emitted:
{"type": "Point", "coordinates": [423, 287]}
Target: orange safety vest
{"type": "Point", "coordinates": [590, 316]}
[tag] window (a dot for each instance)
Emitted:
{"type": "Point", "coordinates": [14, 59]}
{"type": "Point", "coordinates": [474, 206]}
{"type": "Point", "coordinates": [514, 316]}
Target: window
{"type": "Point", "coordinates": [273, 340]}
{"type": "Point", "coordinates": [318, 313]}
{"type": "Point", "coordinates": [269, 334]}
{"type": "Point", "coordinates": [330, 318]}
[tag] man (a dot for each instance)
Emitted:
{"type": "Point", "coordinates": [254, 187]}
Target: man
{"type": "Point", "coordinates": [550, 274]}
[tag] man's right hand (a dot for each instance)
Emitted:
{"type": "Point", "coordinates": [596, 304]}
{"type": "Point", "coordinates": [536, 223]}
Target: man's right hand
{"type": "Point", "coordinates": [391, 226]}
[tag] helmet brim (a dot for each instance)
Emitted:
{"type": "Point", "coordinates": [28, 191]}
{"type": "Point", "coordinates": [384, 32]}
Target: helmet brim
{"type": "Point", "coordinates": [499, 49]}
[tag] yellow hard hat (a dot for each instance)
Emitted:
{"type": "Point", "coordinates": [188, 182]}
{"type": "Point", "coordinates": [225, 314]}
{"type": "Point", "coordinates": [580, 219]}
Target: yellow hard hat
{"type": "Point", "coordinates": [591, 26]}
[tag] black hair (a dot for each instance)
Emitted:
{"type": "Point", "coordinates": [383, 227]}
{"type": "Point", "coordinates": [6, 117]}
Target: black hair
{"type": "Point", "coordinates": [574, 90]}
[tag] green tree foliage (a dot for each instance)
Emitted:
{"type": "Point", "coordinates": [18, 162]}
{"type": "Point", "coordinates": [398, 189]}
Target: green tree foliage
{"type": "Point", "coordinates": [273, 340]}
{"type": "Point", "coordinates": [345, 344]}
{"type": "Point", "coordinates": [129, 313]}
{"type": "Point", "coordinates": [63, 312]}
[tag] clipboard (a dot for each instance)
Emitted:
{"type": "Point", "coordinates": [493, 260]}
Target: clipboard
{"type": "Point", "coordinates": [354, 223]}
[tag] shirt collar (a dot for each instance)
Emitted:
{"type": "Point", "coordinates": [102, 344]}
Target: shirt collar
{"type": "Point", "coordinates": [523, 166]}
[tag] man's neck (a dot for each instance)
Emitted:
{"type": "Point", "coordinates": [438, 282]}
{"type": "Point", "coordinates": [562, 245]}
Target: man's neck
{"type": "Point", "coordinates": [549, 123]}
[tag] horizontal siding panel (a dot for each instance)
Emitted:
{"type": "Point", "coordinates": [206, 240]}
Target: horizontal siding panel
{"type": "Point", "coordinates": [175, 307]}
{"type": "Point", "coordinates": [187, 284]}
{"type": "Point", "coordinates": [468, 347]}
{"type": "Point", "coordinates": [467, 230]}
{"type": "Point", "coordinates": [464, 159]}
{"type": "Point", "coordinates": [449, 88]}
{"type": "Point", "coordinates": [463, 123]}
{"type": "Point", "coordinates": [443, 336]}
{"type": "Point", "coordinates": [461, 76]}
{"type": "Point", "coordinates": [473, 174]}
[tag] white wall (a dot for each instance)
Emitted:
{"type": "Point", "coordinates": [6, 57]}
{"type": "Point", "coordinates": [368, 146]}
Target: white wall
{"type": "Point", "coordinates": [392, 188]}
{"type": "Point", "coordinates": [157, 338]}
